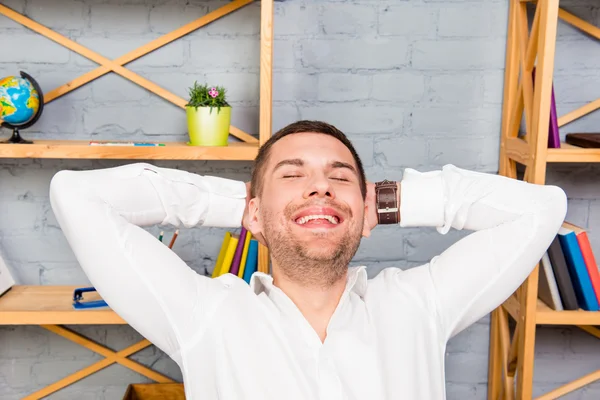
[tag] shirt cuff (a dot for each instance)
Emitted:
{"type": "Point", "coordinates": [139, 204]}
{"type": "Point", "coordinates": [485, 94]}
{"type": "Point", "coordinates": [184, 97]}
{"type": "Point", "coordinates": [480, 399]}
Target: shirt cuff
{"type": "Point", "coordinates": [422, 199]}
{"type": "Point", "coordinates": [227, 202]}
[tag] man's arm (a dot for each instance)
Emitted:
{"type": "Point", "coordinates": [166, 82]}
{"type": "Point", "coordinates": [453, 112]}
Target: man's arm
{"type": "Point", "coordinates": [514, 223]}
{"type": "Point", "coordinates": [101, 213]}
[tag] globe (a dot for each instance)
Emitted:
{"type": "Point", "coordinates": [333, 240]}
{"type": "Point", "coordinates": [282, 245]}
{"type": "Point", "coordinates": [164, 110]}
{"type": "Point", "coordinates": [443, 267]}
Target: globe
{"type": "Point", "coordinates": [19, 101]}
{"type": "Point", "coordinates": [21, 104]}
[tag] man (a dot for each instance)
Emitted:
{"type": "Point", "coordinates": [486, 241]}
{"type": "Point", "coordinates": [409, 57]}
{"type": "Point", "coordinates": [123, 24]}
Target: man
{"type": "Point", "coordinates": [316, 329]}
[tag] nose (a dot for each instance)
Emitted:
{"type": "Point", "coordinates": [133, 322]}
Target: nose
{"type": "Point", "coordinates": [319, 186]}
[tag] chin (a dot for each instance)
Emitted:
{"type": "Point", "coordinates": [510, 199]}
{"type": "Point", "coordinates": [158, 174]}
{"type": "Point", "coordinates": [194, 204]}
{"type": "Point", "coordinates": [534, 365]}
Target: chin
{"type": "Point", "coordinates": [321, 250]}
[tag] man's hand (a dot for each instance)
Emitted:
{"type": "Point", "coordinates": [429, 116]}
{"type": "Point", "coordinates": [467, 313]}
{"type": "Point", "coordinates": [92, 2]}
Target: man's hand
{"type": "Point", "coordinates": [246, 218]}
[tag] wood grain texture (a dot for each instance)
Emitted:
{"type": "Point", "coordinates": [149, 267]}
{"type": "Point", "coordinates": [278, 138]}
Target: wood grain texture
{"type": "Point", "coordinates": [80, 149]}
{"type": "Point", "coordinates": [50, 305]}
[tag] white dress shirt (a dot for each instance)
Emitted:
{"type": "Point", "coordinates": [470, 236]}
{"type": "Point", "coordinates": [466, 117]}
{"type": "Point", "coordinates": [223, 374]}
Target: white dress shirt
{"type": "Point", "coordinates": [234, 341]}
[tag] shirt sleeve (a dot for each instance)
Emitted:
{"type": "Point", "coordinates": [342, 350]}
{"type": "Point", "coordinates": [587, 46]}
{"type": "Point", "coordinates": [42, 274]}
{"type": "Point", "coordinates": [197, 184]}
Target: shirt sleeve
{"type": "Point", "coordinates": [513, 221]}
{"type": "Point", "coordinates": [101, 213]}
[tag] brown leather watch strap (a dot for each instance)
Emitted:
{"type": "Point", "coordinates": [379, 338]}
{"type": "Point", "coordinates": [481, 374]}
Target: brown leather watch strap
{"type": "Point", "coordinates": [386, 198]}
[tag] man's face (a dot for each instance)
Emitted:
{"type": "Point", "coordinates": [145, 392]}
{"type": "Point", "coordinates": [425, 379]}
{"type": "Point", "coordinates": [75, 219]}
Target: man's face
{"type": "Point", "coordinates": [311, 206]}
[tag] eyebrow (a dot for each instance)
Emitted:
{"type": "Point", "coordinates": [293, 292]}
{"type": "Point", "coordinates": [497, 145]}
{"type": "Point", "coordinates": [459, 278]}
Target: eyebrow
{"type": "Point", "coordinates": [300, 163]}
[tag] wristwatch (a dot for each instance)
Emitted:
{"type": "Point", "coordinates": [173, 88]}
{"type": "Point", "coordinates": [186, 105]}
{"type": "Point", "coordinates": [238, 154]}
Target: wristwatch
{"type": "Point", "coordinates": [386, 199]}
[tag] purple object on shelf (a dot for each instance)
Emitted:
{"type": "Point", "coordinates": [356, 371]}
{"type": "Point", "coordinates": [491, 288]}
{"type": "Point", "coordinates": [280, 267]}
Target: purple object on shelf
{"type": "Point", "coordinates": [237, 256]}
{"type": "Point", "coordinates": [553, 134]}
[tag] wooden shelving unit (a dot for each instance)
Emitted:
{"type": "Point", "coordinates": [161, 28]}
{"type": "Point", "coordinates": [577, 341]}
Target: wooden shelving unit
{"type": "Point", "coordinates": [514, 357]}
{"type": "Point", "coordinates": [50, 307]}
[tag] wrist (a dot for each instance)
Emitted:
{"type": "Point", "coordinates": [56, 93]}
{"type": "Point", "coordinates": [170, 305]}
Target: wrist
{"type": "Point", "coordinates": [387, 202]}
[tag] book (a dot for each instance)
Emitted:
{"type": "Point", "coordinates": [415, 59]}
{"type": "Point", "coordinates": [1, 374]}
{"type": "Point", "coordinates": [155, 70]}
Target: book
{"type": "Point", "coordinates": [588, 257]}
{"type": "Point", "coordinates": [587, 140]}
{"type": "Point", "coordinates": [244, 255]}
{"type": "Point", "coordinates": [237, 256]}
{"type": "Point", "coordinates": [562, 275]}
{"type": "Point", "coordinates": [553, 133]}
{"type": "Point", "coordinates": [251, 260]}
{"type": "Point", "coordinates": [547, 286]}
{"type": "Point", "coordinates": [6, 279]}
{"type": "Point", "coordinates": [224, 244]}
{"type": "Point", "coordinates": [580, 277]}
{"type": "Point", "coordinates": [229, 253]}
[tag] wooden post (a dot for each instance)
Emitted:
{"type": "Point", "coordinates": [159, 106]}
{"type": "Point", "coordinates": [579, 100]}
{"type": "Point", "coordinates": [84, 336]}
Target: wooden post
{"type": "Point", "coordinates": [536, 168]}
{"type": "Point", "coordinates": [266, 96]}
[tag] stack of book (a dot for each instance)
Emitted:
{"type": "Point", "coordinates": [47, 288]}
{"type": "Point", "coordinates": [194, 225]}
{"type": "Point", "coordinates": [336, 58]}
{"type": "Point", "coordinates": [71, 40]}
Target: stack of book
{"type": "Point", "coordinates": [238, 255]}
{"type": "Point", "coordinates": [569, 277]}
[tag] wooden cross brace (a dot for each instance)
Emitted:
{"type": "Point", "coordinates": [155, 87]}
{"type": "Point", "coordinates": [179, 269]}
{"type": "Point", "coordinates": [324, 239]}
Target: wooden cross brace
{"type": "Point", "coordinates": [107, 65]}
{"type": "Point", "coordinates": [111, 357]}
{"type": "Point", "coordinates": [507, 360]}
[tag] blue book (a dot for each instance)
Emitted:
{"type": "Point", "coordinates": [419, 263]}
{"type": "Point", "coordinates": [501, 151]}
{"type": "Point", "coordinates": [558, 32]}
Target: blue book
{"type": "Point", "coordinates": [251, 260]}
{"type": "Point", "coordinates": [580, 277]}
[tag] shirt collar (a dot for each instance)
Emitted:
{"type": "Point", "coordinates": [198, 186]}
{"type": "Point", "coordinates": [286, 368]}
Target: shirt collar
{"type": "Point", "coordinates": [356, 281]}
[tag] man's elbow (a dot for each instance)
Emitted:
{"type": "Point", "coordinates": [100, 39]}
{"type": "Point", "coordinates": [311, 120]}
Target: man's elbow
{"type": "Point", "coordinates": [63, 187]}
{"type": "Point", "coordinates": [557, 204]}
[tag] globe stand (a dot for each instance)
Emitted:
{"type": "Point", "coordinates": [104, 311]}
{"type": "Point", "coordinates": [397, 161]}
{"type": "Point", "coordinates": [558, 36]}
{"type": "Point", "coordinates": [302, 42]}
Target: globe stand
{"type": "Point", "coordinates": [16, 136]}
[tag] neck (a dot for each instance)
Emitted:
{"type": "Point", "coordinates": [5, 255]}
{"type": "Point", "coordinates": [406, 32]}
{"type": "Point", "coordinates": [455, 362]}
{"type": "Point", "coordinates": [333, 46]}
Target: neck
{"type": "Point", "coordinates": [316, 302]}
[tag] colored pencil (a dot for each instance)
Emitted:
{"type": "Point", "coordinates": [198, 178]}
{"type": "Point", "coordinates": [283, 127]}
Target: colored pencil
{"type": "Point", "coordinates": [160, 237]}
{"type": "Point", "coordinates": [173, 240]}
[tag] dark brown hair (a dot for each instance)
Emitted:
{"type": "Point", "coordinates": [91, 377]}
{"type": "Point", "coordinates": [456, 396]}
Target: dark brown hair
{"type": "Point", "coordinates": [324, 128]}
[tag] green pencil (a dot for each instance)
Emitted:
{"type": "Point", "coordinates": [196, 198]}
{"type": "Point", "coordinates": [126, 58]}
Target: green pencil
{"type": "Point", "coordinates": [161, 236]}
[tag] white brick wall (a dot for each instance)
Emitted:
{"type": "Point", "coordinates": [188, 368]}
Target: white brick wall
{"type": "Point", "coordinates": [414, 83]}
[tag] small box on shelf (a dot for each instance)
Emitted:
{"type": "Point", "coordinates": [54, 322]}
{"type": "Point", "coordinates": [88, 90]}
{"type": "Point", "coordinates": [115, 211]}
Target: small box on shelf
{"type": "Point", "coordinates": [155, 391]}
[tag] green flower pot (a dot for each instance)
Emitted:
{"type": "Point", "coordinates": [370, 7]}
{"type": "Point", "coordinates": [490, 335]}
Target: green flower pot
{"type": "Point", "coordinates": [208, 127]}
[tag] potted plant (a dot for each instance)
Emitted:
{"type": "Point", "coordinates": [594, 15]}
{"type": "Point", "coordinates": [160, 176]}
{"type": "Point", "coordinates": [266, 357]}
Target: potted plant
{"type": "Point", "coordinates": [208, 116]}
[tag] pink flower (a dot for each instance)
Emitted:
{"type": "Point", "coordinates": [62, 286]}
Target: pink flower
{"type": "Point", "coordinates": [213, 92]}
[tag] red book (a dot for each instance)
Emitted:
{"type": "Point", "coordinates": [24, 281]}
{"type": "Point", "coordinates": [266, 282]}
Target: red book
{"type": "Point", "coordinates": [588, 256]}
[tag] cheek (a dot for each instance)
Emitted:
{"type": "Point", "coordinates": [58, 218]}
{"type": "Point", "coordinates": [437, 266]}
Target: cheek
{"type": "Point", "coordinates": [272, 210]}
{"type": "Point", "coordinates": [353, 199]}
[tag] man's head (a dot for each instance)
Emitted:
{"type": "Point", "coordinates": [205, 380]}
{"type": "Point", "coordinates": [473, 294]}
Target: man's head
{"type": "Point", "coordinates": [308, 201]}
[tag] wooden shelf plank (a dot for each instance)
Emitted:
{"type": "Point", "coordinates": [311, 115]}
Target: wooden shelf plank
{"type": "Point", "coordinates": [50, 305]}
{"type": "Point", "coordinates": [573, 154]}
{"type": "Point", "coordinates": [171, 151]}
{"type": "Point", "coordinates": [547, 316]}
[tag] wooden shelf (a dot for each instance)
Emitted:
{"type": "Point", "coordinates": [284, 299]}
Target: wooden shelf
{"type": "Point", "coordinates": [80, 149]}
{"type": "Point", "coordinates": [547, 316]}
{"type": "Point", "coordinates": [573, 154]}
{"type": "Point", "coordinates": [50, 305]}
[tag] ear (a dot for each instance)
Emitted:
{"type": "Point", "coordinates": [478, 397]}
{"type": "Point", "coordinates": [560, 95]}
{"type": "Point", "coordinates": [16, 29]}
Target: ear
{"type": "Point", "coordinates": [366, 232]}
{"type": "Point", "coordinates": [254, 220]}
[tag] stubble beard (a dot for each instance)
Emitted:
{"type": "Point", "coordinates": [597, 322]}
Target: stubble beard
{"type": "Point", "coordinates": [304, 265]}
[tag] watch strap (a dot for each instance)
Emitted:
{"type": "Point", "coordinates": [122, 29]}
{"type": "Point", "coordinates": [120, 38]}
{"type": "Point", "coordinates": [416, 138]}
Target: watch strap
{"type": "Point", "coordinates": [386, 199]}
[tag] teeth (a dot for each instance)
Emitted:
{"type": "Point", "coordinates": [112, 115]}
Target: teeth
{"type": "Point", "coordinates": [305, 219]}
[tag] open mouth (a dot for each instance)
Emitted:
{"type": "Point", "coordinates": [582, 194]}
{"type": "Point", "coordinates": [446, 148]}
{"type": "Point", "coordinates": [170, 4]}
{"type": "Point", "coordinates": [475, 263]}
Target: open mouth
{"type": "Point", "coordinates": [318, 217]}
